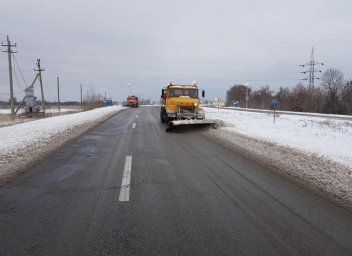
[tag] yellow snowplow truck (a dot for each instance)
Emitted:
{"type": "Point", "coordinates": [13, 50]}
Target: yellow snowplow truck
{"type": "Point", "coordinates": [181, 107]}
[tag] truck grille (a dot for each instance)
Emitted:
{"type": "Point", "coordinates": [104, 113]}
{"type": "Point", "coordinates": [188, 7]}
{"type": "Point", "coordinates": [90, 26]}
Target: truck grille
{"type": "Point", "coordinates": [186, 109]}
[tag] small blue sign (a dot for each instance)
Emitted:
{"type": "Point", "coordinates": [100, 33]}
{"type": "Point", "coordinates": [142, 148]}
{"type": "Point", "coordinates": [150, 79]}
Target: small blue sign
{"type": "Point", "coordinates": [107, 103]}
{"type": "Point", "coordinates": [275, 101]}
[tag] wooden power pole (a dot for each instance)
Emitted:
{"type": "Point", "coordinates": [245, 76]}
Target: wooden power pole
{"type": "Point", "coordinates": [81, 97]}
{"type": "Point", "coordinates": [9, 52]}
{"type": "Point", "coordinates": [58, 92]}
{"type": "Point", "coordinates": [41, 83]}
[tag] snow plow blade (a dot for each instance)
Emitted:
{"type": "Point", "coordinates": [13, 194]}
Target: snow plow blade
{"type": "Point", "coordinates": [190, 124]}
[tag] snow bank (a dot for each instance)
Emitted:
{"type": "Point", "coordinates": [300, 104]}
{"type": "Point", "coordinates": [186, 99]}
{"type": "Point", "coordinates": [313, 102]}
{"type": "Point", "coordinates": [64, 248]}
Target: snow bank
{"type": "Point", "coordinates": [322, 136]}
{"type": "Point", "coordinates": [24, 144]}
{"type": "Point", "coordinates": [7, 111]}
{"type": "Point", "coordinates": [311, 150]}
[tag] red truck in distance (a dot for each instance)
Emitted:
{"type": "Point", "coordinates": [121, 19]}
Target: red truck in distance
{"type": "Point", "coordinates": [132, 101]}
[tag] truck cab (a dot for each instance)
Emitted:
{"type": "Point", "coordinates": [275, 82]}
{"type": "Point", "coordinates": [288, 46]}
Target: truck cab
{"type": "Point", "coordinates": [181, 102]}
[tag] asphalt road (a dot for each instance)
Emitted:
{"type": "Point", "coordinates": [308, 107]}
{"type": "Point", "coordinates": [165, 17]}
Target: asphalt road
{"type": "Point", "coordinates": [129, 188]}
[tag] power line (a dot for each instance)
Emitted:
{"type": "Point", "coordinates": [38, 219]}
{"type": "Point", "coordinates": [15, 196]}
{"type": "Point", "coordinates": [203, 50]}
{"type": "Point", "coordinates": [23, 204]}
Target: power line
{"type": "Point", "coordinates": [3, 35]}
{"type": "Point", "coordinates": [3, 93]}
{"type": "Point", "coordinates": [140, 56]}
{"type": "Point", "coordinates": [208, 71]}
{"type": "Point", "coordinates": [197, 44]}
{"type": "Point", "coordinates": [17, 81]}
{"type": "Point", "coordinates": [112, 75]}
{"type": "Point", "coordinates": [19, 69]}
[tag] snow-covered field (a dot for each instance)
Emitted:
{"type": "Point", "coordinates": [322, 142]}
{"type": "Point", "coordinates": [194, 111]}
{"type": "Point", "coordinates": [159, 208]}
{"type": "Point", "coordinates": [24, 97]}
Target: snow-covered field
{"type": "Point", "coordinates": [7, 111]}
{"type": "Point", "coordinates": [321, 136]}
{"type": "Point", "coordinates": [25, 143]}
{"type": "Point", "coordinates": [5, 118]}
{"type": "Point", "coordinates": [314, 151]}
{"type": "Point", "coordinates": [63, 110]}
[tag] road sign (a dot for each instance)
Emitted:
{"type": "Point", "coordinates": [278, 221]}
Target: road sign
{"type": "Point", "coordinates": [275, 102]}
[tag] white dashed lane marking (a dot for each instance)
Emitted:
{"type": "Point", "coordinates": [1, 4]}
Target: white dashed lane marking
{"type": "Point", "coordinates": [126, 181]}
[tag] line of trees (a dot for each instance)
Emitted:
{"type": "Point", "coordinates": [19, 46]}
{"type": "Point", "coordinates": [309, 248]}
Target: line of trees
{"type": "Point", "coordinates": [332, 96]}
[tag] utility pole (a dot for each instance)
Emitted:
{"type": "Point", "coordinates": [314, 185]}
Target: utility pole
{"type": "Point", "coordinates": [81, 97]}
{"type": "Point", "coordinates": [247, 96]}
{"type": "Point", "coordinates": [311, 71]}
{"type": "Point", "coordinates": [41, 83]}
{"type": "Point", "coordinates": [58, 92]}
{"type": "Point", "coordinates": [9, 52]}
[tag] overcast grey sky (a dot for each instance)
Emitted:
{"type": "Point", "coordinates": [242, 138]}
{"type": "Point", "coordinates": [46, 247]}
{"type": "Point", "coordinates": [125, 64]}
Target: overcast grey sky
{"type": "Point", "coordinates": [107, 44]}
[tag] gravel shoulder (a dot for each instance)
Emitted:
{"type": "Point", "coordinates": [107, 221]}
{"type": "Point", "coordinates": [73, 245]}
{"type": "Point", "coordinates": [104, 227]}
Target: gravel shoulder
{"type": "Point", "coordinates": [320, 174]}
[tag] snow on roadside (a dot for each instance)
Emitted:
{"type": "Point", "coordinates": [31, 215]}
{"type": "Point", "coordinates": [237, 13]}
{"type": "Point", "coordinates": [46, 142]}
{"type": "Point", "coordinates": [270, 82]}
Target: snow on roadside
{"type": "Point", "coordinates": [7, 111]}
{"type": "Point", "coordinates": [313, 151]}
{"type": "Point", "coordinates": [324, 137]}
{"type": "Point", "coordinates": [42, 137]}
{"type": "Point", "coordinates": [62, 110]}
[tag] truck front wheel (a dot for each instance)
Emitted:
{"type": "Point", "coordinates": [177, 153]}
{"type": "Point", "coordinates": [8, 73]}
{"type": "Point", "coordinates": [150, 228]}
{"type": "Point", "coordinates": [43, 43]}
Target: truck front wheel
{"type": "Point", "coordinates": [162, 116]}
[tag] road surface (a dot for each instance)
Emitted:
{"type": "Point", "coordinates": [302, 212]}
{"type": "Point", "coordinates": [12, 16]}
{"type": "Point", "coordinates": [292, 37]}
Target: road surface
{"type": "Point", "coordinates": [129, 188]}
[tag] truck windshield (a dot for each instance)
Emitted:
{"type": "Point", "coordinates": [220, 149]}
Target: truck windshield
{"type": "Point", "coordinates": [193, 93]}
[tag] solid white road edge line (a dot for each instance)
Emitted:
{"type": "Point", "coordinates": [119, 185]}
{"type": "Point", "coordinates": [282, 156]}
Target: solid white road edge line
{"type": "Point", "coordinates": [134, 125]}
{"type": "Point", "coordinates": [126, 180]}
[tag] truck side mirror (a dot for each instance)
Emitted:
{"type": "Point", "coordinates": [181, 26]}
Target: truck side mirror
{"type": "Point", "coordinates": [203, 93]}
{"type": "Point", "coordinates": [162, 93]}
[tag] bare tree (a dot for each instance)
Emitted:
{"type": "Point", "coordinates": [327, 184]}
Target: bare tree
{"type": "Point", "coordinates": [332, 84]}
{"type": "Point", "coordinates": [284, 96]}
{"type": "Point", "coordinates": [262, 98]}
{"type": "Point", "coordinates": [92, 99]}
{"type": "Point", "coordinates": [318, 97]}
{"type": "Point", "coordinates": [301, 99]}
{"type": "Point", "coordinates": [237, 93]}
{"type": "Point", "coordinates": [334, 95]}
{"type": "Point", "coordinates": [347, 98]}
